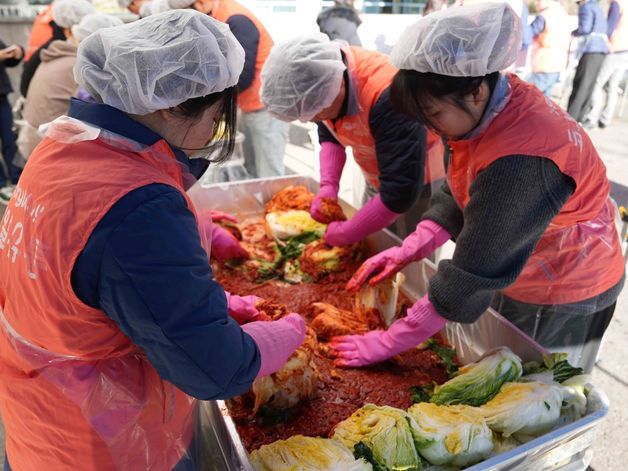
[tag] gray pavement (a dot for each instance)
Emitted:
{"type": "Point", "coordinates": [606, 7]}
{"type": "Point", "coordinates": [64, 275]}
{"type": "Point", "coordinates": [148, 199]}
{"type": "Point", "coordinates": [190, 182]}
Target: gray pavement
{"type": "Point", "coordinates": [611, 374]}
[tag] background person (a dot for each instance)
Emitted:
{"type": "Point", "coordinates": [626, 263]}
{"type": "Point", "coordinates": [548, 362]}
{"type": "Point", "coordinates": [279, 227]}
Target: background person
{"type": "Point", "coordinates": [65, 14]}
{"type": "Point", "coordinates": [550, 48]}
{"type": "Point", "coordinates": [53, 84]}
{"type": "Point", "coordinates": [10, 56]}
{"type": "Point", "coordinates": [613, 68]}
{"type": "Point", "coordinates": [593, 30]}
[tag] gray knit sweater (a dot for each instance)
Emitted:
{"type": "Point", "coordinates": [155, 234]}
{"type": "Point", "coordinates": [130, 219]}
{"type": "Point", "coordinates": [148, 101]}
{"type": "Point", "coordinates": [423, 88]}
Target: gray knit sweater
{"type": "Point", "coordinates": [511, 204]}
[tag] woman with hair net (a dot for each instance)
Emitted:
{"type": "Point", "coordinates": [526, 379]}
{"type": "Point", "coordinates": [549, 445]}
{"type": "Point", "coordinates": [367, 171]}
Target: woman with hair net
{"type": "Point", "coordinates": [65, 14]}
{"type": "Point", "coordinates": [526, 198]}
{"type": "Point", "coordinates": [345, 90]}
{"type": "Point", "coordinates": [53, 84]}
{"type": "Point", "coordinates": [111, 323]}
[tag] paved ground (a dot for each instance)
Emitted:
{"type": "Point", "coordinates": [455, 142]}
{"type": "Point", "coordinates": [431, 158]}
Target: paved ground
{"type": "Point", "coordinates": [611, 448]}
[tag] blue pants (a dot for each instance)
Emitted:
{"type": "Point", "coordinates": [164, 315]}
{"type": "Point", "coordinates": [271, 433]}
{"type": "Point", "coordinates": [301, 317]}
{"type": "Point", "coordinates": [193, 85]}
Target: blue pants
{"type": "Point", "coordinates": [544, 82]}
{"type": "Point", "coordinates": [9, 147]}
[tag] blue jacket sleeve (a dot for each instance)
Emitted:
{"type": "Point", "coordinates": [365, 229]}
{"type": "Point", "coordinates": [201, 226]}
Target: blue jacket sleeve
{"type": "Point", "coordinates": [145, 268]}
{"type": "Point", "coordinates": [613, 18]}
{"type": "Point", "coordinates": [585, 20]}
{"type": "Point", "coordinates": [537, 26]}
{"type": "Point", "coordinates": [400, 144]}
{"type": "Point", "coordinates": [247, 35]}
{"type": "Point", "coordinates": [526, 36]}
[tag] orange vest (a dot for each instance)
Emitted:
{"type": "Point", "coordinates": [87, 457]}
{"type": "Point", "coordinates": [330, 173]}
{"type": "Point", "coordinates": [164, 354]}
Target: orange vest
{"type": "Point", "coordinates": [75, 392]}
{"type": "Point", "coordinates": [372, 73]}
{"type": "Point", "coordinates": [41, 32]}
{"type": "Point", "coordinates": [248, 100]}
{"type": "Point", "coordinates": [619, 39]}
{"type": "Point", "coordinates": [550, 48]}
{"type": "Point", "coordinates": [579, 255]}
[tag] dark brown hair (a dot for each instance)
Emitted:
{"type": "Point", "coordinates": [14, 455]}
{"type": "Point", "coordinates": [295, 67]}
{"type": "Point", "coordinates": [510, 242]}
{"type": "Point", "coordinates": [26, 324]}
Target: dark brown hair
{"type": "Point", "coordinates": [411, 91]}
{"type": "Point", "coordinates": [195, 107]}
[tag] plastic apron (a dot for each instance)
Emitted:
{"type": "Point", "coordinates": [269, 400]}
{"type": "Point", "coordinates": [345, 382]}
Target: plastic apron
{"type": "Point", "coordinates": [122, 412]}
{"type": "Point", "coordinates": [577, 263]}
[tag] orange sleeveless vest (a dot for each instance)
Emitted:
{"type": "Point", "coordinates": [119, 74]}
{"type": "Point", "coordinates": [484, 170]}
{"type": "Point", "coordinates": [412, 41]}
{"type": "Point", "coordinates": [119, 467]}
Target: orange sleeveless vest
{"type": "Point", "coordinates": [248, 100]}
{"type": "Point", "coordinates": [75, 392]}
{"type": "Point", "coordinates": [579, 255]}
{"type": "Point", "coordinates": [41, 32]}
{"type": "Point", "coordinates": [372, 73]}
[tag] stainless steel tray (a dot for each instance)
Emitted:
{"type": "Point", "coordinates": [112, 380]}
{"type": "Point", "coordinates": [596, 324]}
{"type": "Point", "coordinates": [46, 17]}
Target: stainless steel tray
{"type": "Point", "coordinates": [566, 448]}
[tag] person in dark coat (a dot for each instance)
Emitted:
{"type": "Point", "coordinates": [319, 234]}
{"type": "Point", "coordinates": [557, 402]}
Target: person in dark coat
{"type": "Point", "coordinates": [10, 56]}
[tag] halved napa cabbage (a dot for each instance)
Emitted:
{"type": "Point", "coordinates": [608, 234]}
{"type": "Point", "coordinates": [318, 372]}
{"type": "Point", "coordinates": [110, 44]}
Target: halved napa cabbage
{"type": "Point", "coordinates": [299, 453]}
{"type": "Point", "coordinates": [477, 383]}
{"type": "Point", "coordinates": [386, 432]}
{"type": "Point", "coordinates": [526, 409]}
{"type": "Point", "coordinates": [285, 224]}
{"type": "Point", "coordinates": [455, 435]}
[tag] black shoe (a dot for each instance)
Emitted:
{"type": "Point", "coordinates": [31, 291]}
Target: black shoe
{"type": "Point", "coordinates": [601, 125]}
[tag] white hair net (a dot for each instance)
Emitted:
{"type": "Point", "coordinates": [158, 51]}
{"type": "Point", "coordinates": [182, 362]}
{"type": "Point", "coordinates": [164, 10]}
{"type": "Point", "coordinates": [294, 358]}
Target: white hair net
{"type": "Point", "coordinates": [124, 3]}
{"type": "Point", "coordinates": [467, 41]}
{"type": "Point", "coordinates": [154, 7]}
{"type": "Point", "coordinates": [67, 13]}
{"type": "Point", "coordinates": [302, 77]}
{"type": "Point", "coordinates": [94, 22]}
{"type": "Point", "coordinates": [159, 62]}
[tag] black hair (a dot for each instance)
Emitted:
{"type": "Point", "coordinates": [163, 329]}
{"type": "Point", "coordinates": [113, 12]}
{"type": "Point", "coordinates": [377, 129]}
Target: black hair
{"type": "Point", "coordinates": [227, 114]}
{"type": "Point", "coordinates": [57, 31]}
{"type": "Point", "coordinates": [411, 91]}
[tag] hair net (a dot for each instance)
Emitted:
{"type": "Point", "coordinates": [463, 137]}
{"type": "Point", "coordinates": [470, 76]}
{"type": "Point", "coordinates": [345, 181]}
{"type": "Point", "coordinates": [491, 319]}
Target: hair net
{"type": "Point", "coordinates": [124, 3]}
{"type": "Point", "coordinates": [467, 41]}
{"type": "Point", "coordinates": [159, 62]}
{"type": "Point", "coordinates": [153, 7]}
{"type": "Point", "coordinates": [302, 77]}
{"type": "Point", "coordinates": [67, 13]}
{"type": "Point", "coordinates": [94, 22]}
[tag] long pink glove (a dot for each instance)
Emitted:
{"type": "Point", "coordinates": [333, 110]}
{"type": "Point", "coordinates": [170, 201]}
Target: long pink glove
{"type": "Point", "coordinates": [225, 246]}
{"type": "Point", "coordinates": [332, 161]}
{"type": "Point", "coordinates": [242, 308]}
{"type": "Point", "coordinates": [427, 237]}
{"type": "Point", "coordinates": [372, 217]}
{"type": "Point", "coordinates": [420, 324]}
{"type": "Point", "coordinates": [276, 340]}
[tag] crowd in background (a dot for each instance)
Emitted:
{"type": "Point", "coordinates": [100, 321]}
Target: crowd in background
{"type": "Point", "coordinates": [599, 45]}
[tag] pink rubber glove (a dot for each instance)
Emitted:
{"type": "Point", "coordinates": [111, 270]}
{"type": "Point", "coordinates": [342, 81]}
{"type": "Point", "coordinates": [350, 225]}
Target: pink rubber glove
{"type": "Point", "coordinates": [332, 161]}
{"type": "Point", "coordinates": [217, 216]}
{"type": "Point", "coordinates": [427, 237]}
{"type": "Point", "coordinates": [276, 341]}
{"type": "Point", "coordinates": [242, 308]}
{"type": "Point", "coordinates": [376, 346]}
{"type": "Point", "coordinates": [225, 246]}
{"type": "Point", "coordinates": [372, 217]}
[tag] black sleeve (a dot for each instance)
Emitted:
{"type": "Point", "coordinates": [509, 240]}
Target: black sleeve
{"type": "Point", "coordinates": [325, 135]}
{"type": "Point", "coordinates": [511, 204]}
{"type": "Point", "coordinates": [247, 35]}
{"type": "Point", "coordinates": [12, 62]}
{"type": "Point", "coordinates": [445, 211]}
{"type": "Point", "coordinates": [30, 67]}
{"type": "Point", "coordinates": [400, 147]}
